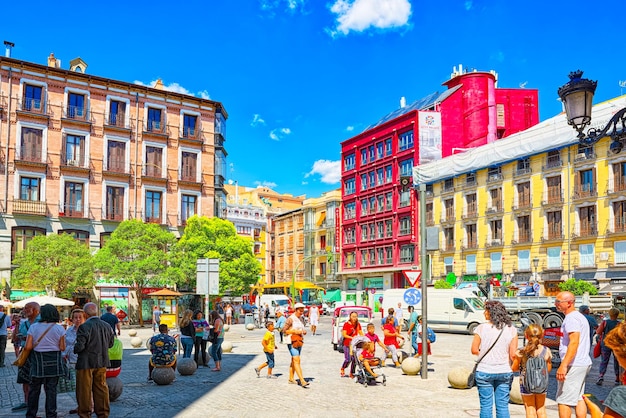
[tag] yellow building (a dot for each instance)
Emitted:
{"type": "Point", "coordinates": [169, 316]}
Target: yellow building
{"type": "Point", "coordinates": [260, 204]}
{"type": "Point", "coordinates": [321, 249]}
{"type": "Point", "coordinates": [535, 205]}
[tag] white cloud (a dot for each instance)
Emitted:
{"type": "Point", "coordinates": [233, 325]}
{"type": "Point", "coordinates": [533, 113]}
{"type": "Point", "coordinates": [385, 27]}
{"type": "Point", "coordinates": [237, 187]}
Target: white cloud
{"type": "Point", "coordinates": [468, 5]}
{"type": "Point", "coordinates": [265, 183]}
{"type": "Point", "coordinates": [176, 88]}
{"type": "Point", "coordinates": [360, 15]}
{"type": "Point", "coordinates": [329, 170]}
{"type": "Point", "coordinates": [350, 128]}
{"type": "Point", "coordinates": [257, 120]}
{"type": "Point", "coordinates": [279, 133]}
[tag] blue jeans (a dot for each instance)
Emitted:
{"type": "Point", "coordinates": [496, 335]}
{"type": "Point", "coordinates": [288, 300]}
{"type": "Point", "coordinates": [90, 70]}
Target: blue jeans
{"type": "Point", "coordinates": [496, 386]}
{"type": "Point", "coordinates": [216, 350]}
{"type": "Point", "coordinates": [187, 346]}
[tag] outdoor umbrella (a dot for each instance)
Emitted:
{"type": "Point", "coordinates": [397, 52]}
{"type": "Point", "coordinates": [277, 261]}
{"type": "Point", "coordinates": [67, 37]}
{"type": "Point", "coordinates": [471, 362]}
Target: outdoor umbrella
{"type": "Point", "coordinates": [42, 300]}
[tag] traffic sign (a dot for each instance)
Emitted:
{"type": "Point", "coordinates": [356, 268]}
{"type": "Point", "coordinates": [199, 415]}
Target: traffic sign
{"type": "Point", "coordinates": [412, 276]}
{"type": "Point", "coordinates": [412, 296]}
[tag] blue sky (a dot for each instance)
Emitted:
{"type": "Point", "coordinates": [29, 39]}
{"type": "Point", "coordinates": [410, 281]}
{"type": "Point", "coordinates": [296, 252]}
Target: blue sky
{"type": "Point", "coordinates": [297, 77]}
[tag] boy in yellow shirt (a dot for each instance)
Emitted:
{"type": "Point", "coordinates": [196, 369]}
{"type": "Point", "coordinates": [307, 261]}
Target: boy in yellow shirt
{"type": "Point", "coordinates": [269, 345]}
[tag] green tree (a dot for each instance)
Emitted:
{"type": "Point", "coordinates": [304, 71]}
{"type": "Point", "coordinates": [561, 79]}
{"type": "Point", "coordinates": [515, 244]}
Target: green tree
{"type": "Point", "coordinates": [56, 261]}
{"type": "Point", "coordinates": [442, 284]}
{"type": "Point", "coordinates": [214, 238]}
{"type": "Point", "coordinates": [578, 287]}
{"type": "Point", "coordinates": [136, 255]}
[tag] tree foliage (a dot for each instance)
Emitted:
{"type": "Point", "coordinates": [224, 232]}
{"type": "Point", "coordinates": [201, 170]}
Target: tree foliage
{"type": "Point", "coordinates": [56, 261]}
{"type": "Point", "coordinates": [136, 255]}
{"type": "Point", "coordinates": [214, 238]}
{"type": "Point", "coordinates": [442, 284]}
{"type": "Point", "coordinates": [578, 287]}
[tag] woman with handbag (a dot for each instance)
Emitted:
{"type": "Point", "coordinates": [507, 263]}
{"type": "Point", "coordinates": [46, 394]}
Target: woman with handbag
{"type": "Point", "coordinates": [46, 341]}
{"type": "Point", "coordinates": [603, 330]}
{"type": "Point", "coordinates": [495, 342]}
{"type": "Point", "coordinates": [294, 336]}
{"type": "Point", "coordinates": [78, 318]}
{"type": "Point", "coordinates": [217, 338]}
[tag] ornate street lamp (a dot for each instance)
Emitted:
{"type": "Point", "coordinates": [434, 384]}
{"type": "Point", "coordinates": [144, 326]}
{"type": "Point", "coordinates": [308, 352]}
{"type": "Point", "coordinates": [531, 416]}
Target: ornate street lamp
{"type": "Point", "coordinates": [536, 264]}
{"type": "Point", "coordinates": [577, 97]}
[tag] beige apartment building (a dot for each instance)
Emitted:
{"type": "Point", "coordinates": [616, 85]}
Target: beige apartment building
{"type": "Point", "coordinates": [81, 153]}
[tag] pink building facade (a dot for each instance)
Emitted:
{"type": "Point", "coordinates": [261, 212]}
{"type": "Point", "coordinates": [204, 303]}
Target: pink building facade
{"type": "Point", "coordinates": [379, 211]}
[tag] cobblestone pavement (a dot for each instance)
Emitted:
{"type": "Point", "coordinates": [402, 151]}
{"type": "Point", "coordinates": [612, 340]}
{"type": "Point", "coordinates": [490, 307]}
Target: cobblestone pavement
{"type": "Point", "coordinates": [237, 392]}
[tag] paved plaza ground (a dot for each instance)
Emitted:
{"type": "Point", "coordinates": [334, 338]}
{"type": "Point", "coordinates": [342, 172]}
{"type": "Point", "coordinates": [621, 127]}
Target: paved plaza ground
{"type": "Point", "coordinates": [237, 392]}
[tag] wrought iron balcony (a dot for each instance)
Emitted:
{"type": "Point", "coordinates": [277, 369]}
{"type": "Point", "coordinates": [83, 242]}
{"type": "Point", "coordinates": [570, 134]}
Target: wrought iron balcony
{"type": "Point", "coordinates": [75, 210]}
{"type": "Point", "coordinates": [553, 162]}
{"type": "Point", "coordinates": [585, 191]}
{"type": "Point", "coordinates": [35, 106]}
{"type": "Point", "coordinates": [79, 113]}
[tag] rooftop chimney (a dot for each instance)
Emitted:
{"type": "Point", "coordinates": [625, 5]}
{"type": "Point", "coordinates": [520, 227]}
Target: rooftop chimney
{"type": "Point", "coordinates": [8, 45]}
{"type": "Point", "coordinates": [402, 102]}
{"type": "Point", "coordinates": [53, 62]}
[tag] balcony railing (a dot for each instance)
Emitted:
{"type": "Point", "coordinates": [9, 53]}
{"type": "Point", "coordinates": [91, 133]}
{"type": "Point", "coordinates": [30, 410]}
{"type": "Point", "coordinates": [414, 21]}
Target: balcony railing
{"type": "Point", "coordinates": [155, 126]}
{"type": "Point", "coordinates": [152, 171]}
{"type": "Point", "coordinates": [584, 156]}
{"type": "Point", "coordinates": [185, 175]}
{"type": "Point", "coordinates": [523, 172]}
{"type": "Point", "coordinates": [552, 234]}
{"type": "Point", "coordinates": [495, 208]}
{"type": "Point", "coordinates": [618, 226]}
{"type": "Point", "coordinates": [496, 242]}
{"type": "Point", "coordinates": [448, 188]}
{"type": "Point", "coordinates": [79, 113]}
{"type": "Point", "coordinates": [116, 167]}
{"type": "Point", "coordinates": [616, 185]}
{"type": "Point", "coordinates": [29, 154]}
{"type": "Point", "coordinates": [34, 106]}
{"type": "Point", "coordinates": [586, 231]}
{"type": "Point", "coordinates": [585, 191]}
{"type": "Point", "coordinates": [72, 210]}
{"type": "Point", "coordinates": [522, 203]}
{"type": "Point", "coordinates": [496, 177]}
{"type": "Point", "coordinates": [30, 207]}
{"type": "Point", "coordinates": [116, 119]}
{"type": "Point", "coordinates": [552, 162]}
{"type": "Point", "coordinates": [112, 214]}
{"type": "Point", "coordinates": [470, 245]}
{"type": "Point", "coordinates": [523, 237]}
{"type": "Point", "coordinates": [447, 219]}
{"type": "Point", "coordinates": [190, 132]}
{"type": "Point", "coordinates": [553, 197]}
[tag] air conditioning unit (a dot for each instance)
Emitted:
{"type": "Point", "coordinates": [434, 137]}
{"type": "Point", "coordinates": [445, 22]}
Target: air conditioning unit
{"type": "Point", "coordinates": [581, 156]}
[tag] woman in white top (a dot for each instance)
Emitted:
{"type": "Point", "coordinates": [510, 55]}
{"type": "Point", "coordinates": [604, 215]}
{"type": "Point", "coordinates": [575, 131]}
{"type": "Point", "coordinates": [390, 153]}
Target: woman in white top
{"type": "Point", "coordinates": [495, 343]}
{"type": "Point", "coordinates": [46, 341]}
{"type": "Point", "coordinates": [294, 330]}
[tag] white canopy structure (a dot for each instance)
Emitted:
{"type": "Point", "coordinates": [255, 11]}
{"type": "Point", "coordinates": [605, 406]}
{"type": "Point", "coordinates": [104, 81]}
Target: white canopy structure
{"type": "Point", "coordinates": [553, 133]}
{"type": "Point", "coordinates": [42, 300]}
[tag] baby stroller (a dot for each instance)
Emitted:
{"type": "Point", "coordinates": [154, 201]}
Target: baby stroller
{"type": "Point", "coordinates": [361, 374]}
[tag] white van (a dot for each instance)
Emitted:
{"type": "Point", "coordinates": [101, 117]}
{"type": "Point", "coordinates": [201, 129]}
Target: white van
{"type": "Point", "coordinates": [448, 309]}
{"type": "Point", "coordinates": [275, 302]}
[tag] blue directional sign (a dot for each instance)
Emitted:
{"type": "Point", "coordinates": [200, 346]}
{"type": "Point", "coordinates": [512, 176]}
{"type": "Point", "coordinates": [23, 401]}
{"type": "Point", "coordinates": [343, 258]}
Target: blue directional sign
{"type": "Point", "coordinates": [412, 296]}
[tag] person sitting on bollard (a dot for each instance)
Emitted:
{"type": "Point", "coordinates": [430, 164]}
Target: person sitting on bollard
{"type": "Point", "coordinates": [163, 348]}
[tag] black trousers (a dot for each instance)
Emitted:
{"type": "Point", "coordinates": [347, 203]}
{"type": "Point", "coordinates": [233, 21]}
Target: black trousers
{"type": "Point", "coordinates": [199, 347]}
{"type": "Point", "coordinates": [3, 347]}
{"type": "Point", "coordinates": [50, 388]}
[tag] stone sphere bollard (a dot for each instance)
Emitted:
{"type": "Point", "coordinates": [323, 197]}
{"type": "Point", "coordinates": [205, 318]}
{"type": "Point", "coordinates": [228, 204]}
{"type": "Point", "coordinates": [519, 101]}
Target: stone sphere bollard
{"type": "Point", "coordinates": [226, 328]}
{"type": "Point", "coordinates": [250, 327]}
{"type": "Point", "coordinates": [515, 394]}
{"type": "Point", "coordinates": [116, 387]}
{"type": "Point", "coordinates": [457, 377]}
{"type": "Point", "coordinates": [163, 375]}
{"type": "Point", "coordinates": [132, 333]}
{"type": "Point", "coordinates": [186, 366]}
{"type": "Point", "coordinates": [135, 342]}
{"type": "Point", "coordinates": [227, 347]}
{"type": "Point", "coordinates": [411, 366]}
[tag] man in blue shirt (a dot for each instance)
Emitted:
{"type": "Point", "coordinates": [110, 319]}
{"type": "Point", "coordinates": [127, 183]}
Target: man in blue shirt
{"type": "Point", "coordinates": [110, 318]}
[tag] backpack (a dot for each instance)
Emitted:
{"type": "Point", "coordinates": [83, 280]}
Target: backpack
{"type": "Point", "coordinates": [535, 373]}
{"type": "Point", "coordinates": [432, 337]}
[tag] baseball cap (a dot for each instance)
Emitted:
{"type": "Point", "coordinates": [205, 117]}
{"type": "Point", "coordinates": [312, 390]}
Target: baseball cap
{"type": "Point", "coordinates": [298, 305]}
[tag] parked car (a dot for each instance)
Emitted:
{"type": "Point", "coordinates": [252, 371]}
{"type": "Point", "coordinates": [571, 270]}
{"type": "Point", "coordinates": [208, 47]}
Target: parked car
{"type": "Point", "coordinates": [341, 315]}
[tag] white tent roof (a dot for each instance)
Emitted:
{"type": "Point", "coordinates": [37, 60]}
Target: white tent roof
{"type": "Point", "coordinates": [553, 133]}
{"type": "Point", "coordinates": [42, 300]}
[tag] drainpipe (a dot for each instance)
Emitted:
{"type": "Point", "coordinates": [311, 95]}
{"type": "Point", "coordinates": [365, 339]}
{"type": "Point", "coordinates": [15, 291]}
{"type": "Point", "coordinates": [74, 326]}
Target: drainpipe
{"type": "Point", "coordinates": [136, 149]}
{"type": "Point", "coordinates": [6, 152]}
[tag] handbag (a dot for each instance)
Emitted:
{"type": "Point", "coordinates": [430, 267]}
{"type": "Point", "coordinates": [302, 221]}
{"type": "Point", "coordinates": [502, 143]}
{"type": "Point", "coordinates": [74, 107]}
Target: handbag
{"type": "Point", "coordinates": [471, 379]}
{"type": "Point", "coordinates": [597, 349]}
{"type": "Point", "coordinates": [297, 341]}
{"type": "Point", "coordinates": [24, 354]}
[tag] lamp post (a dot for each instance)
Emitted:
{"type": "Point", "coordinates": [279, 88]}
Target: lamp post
{"type": "Point", "coordinates": [536, 264]}
{"type": "Point", "coordinates": [577, 97]}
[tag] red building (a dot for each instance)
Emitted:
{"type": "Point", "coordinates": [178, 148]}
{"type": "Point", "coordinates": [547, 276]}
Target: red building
{"type": "Point", "coordinates": [379, 222]}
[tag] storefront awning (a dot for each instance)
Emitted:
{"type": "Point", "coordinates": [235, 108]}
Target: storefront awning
{"type": "Point", "coordinates": [17, 294]}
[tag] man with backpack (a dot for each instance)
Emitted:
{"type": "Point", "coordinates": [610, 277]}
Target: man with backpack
{"type": "Point", "coordinates": [575, 359]}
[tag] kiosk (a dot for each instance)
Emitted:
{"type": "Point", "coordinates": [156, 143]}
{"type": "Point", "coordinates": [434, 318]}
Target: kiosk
{"type": "Point", "coordinates": [167, 301]}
